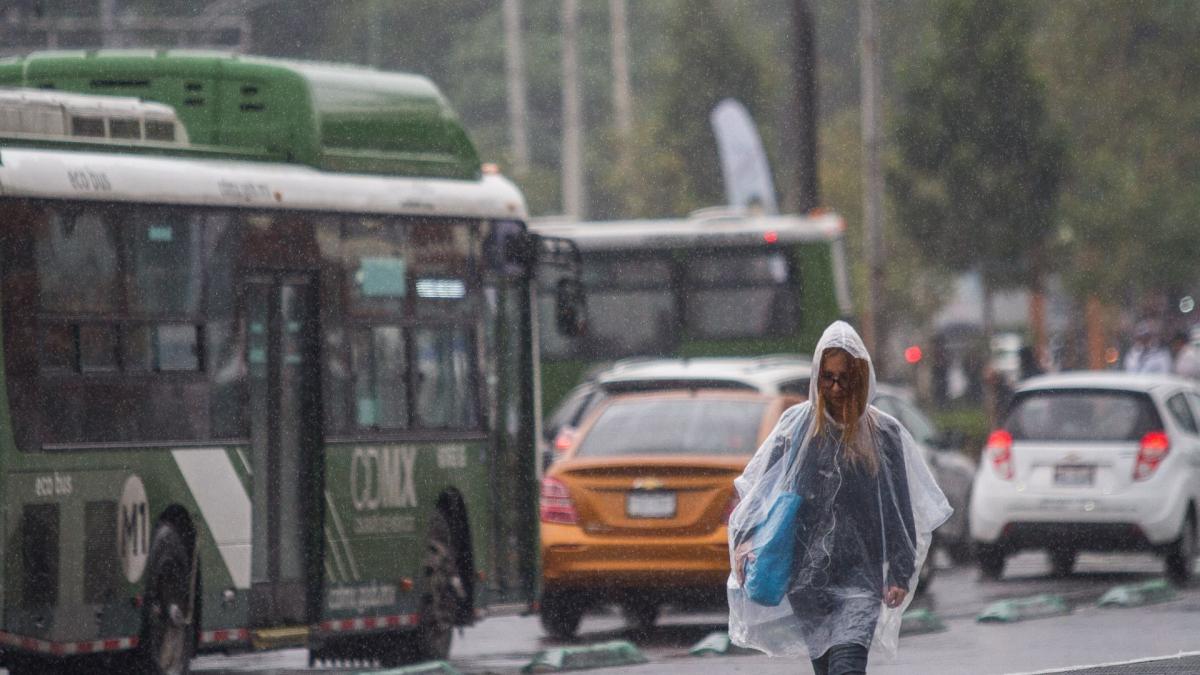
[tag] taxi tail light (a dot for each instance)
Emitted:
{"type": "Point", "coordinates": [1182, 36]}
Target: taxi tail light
{"type": "Point", "coordinates": [1151, 451]}
{"type": "Point", "coordinates": [733, 502]}
{"type": "Point", "coordinates": [999, 451]}
{"type": "Point", "coordinates": [556, 504]}
{"type": "Point", "coordinates": [563, 440]}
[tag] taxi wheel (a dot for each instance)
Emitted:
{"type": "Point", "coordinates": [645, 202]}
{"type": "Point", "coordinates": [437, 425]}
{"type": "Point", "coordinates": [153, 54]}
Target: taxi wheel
{"type": "Point", "coordinates": [1181, 556]}
{"type": "Point", "coordinates": [641, 615]}
{"type": "Point", "coordinates": [561, 614]}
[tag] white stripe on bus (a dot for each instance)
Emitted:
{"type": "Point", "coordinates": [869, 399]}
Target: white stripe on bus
{"type": "Point", "coordinates": [223, 503]}
{"type": "Point", "coordinates": [337, 523]}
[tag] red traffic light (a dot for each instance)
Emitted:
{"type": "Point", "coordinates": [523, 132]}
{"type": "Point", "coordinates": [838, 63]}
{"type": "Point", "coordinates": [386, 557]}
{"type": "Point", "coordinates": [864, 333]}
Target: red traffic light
{"type": "Point", "coordinates": [912, 354]}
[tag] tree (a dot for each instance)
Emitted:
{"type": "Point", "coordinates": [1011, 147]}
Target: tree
{"type": "Point", "coordinates": [980, 160]}
{"type": "Point", "coordinates": [1128, 82]}
{"type": "Point", "coordinates": [708, 60]}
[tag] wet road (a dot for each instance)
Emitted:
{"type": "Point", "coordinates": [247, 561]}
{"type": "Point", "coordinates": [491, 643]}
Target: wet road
{"type": "Point", "coordinates": [1089, 635]}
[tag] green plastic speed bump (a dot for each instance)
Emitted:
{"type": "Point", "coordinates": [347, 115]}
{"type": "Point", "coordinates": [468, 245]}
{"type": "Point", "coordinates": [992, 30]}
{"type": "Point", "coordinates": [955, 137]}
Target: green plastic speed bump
{"type": "Point", "coordinates": [1136, 595]}
{"type": "Point", "coordinates": [428, 668]}
{"type": "Point", "coordinates": [1035, 607]}
{"type": "Point", "coordinates": [920, 621]}
{"type": "Point", "coordinates": [603, 655]}
{"type": "Point", "coordinates": [714, 643]}
{"type": "Point", "coordinates": [718, 643]}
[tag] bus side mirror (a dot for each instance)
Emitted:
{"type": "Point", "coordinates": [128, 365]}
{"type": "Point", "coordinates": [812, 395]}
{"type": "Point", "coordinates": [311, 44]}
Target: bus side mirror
{"type": "Point", "coordinates": [570, 308]}
{"type": "Point", "coordinates": [510, 250]}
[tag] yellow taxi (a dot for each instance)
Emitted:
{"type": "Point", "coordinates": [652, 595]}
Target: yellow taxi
{"type": "Point", "coordinates": [634, 513]}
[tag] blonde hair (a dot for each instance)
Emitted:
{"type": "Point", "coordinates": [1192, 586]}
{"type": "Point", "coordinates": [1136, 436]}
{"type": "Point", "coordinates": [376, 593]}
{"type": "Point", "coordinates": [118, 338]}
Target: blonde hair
{"type": "Point", "coordinates": [860, 451]}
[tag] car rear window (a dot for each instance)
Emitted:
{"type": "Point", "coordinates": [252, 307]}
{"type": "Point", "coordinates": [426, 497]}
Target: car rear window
{"type": "Point", "coordinates": [692, 426]}
{"type": "Point", "coordinates": [1082, 415]}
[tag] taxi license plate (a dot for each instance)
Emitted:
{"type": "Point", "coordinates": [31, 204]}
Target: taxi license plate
{"type": "Point", "coordinates": [650, 504]}
{"type": "Point", "coordinates": [1070, 475]}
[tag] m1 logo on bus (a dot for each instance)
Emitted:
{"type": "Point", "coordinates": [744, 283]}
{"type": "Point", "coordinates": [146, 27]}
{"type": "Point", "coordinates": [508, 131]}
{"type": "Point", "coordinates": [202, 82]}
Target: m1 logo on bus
{"type": "Point", "coordinates": [383, 478]}
{"type": "Point", "coordinates": [133, 528]}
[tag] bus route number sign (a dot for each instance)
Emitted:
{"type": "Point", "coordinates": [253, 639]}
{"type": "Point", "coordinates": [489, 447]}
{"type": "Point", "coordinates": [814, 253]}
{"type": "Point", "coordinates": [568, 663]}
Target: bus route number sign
{"type": "Point", "coordinates": [133, 528]}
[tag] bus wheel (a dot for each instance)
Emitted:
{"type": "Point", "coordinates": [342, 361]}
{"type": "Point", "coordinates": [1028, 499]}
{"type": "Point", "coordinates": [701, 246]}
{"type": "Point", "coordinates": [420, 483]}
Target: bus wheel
{"type": "Point", "coordinates": [168, 637]}
{"type": "Point", "coordinates": [439, 605]}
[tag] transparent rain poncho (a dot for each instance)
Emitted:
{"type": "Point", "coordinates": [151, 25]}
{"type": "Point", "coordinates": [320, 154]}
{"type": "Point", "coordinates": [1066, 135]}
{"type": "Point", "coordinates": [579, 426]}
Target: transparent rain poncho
{"type": "Point", "coordinates": [856, 532]}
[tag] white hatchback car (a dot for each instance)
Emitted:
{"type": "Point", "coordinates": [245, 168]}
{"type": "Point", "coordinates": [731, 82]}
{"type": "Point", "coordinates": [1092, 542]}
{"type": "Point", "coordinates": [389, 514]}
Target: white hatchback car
{"type": "Point", "coordinates": [1096, 461]}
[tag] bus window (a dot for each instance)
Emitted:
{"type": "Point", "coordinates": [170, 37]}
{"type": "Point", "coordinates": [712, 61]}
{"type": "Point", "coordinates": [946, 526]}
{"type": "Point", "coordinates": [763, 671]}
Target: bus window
{"type": "Point", "coordinates": [443, 267]}
{"type": "Point", "coordinates": [632, 309]}
{"type": "Point", "coordinates": [77, 262]}
{"type": "Point", "coordinates": [445, 388]}
{"type": "Point", "coordinates": [731, 294]}
{"type": "Point", "coordinates": [164, 262]}
{"type": "Point", "coordinates": [375, 257]}
{"type": "Point", "coordinates": [380, 371]}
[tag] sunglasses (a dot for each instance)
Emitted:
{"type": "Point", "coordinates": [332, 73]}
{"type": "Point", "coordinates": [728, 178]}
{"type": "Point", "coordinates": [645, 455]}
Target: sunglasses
{"type": "Point", "coordinates": [829, 379]}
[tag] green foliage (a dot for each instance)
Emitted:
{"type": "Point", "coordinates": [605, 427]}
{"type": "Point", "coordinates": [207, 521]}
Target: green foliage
{"type": "Point", "coordinates": [980, 161]}
{"type": "Point", "coordinates": [971, 422]}
{"type": "Point", "coordinates": [1128, 82]}
{"type": "Point", "coordinates": [709, 61]}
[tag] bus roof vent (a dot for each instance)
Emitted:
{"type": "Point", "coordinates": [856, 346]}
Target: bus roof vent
{"type": "Point", "coordinates": [56, 115]}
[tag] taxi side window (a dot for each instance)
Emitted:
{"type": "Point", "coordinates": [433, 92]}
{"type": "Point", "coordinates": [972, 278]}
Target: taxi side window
{"type": "Point", "coordinates": [1178, 406]}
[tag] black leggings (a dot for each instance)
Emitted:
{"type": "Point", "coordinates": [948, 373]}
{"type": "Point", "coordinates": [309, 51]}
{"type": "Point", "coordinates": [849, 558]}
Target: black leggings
{"type": "Point", "coordinates": [848, 659]}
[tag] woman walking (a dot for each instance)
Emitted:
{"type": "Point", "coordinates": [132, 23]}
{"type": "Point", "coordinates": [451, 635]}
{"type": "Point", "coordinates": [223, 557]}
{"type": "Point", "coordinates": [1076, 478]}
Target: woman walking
{"type": "Point", "coordinates": [867, 507]}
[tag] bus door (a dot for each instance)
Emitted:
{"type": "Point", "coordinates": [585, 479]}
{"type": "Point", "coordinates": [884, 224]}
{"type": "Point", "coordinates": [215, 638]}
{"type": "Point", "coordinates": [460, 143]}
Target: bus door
{"type": "Point", "coordinates": [285, 439]}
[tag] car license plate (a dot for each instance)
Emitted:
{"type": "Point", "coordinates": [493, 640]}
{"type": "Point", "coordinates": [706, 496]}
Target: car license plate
{"type": "Point", "coordinates": [1071, 475]}
{"type": "Point", "coordinates": [650, 504]}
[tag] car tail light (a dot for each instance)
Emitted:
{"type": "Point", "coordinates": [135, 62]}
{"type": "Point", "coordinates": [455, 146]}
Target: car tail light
{"type": "Point", "coordinates": [563, 440]}
{"type": "Point", "coordinates": [733, 502]}
{"type": "Point", "coordinates": [556, 506]}
{"type": "Point", "coordinates": [999, 450]}
{"type": "Point", "coordinates": [1154, 447]}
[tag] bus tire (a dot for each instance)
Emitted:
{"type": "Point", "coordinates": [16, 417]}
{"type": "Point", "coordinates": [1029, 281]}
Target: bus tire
{"type": "Point", "coordinates": [168, 639]}
{"type": "Point", "coordinates": [439, 604]}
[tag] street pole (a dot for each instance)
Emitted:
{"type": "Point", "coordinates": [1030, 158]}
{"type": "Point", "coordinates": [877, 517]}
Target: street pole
{"type": "Point", "coordinates": [804, 102]}
{"type": "Point", "coordinates": [621, 89]}
{"type": "Point", "coordinates": [574, 196]}
{"type": "Point", "coordinates": [872, 180]}
{"type": "Point", "coordinates": [514, 70]}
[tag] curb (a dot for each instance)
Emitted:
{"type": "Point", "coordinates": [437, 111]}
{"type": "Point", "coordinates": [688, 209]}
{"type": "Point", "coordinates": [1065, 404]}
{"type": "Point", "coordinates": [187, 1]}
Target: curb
{"type": "Point", "coordinates": [603, 655]}
{"type": "Point", "coordinates": [1021, 609]}
{"type": "Point", "coordinates": [1136, 595]}
{"type": "Point", "coordinates": [919, 622]}
{"type": "Point", "coordinates": [427, 668]}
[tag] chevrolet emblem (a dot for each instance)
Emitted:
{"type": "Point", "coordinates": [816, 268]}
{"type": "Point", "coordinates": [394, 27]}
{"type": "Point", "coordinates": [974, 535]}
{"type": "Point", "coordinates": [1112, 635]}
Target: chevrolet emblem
{"type": "Point", "coordinates": [647, 484]}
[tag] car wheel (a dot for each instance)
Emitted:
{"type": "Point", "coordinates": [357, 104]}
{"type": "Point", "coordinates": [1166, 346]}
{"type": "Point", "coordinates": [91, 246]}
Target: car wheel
{"type": "Point", "coordinates": [1062, 562]}
{"type": "Point", "coordinates": [641, 615]}
{"type": "Point", "coordinates": [1181, 556]}
{"type": "Point", "coordinates": [991, 561]}
{"type": "Point", "coordinates": [561, 614]}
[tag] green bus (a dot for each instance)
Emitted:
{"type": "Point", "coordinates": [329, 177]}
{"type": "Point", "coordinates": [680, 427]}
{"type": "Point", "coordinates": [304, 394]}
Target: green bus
{"type": "Point", "coordinates": [717, 283]}
{"type": "Point", "coordinates": [268, 363]}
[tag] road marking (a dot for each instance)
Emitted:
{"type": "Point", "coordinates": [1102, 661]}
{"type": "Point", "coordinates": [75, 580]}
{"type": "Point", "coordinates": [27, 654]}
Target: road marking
{"type": "Point", "coordinates": [1072, 669]}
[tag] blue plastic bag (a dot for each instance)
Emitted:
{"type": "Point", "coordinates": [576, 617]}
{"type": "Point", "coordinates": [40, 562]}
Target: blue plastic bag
{"type": "Point", "coordinates": [774, 547]}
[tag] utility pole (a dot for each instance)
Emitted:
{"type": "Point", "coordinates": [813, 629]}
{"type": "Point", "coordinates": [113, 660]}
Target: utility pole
{"type": "Point", "coordinates": [574, 193]}
{"type": "Point", "coordinates": [514, 71]}
{"type": "Point", "coordinates": [375, 34]}
{"type": "Point", "coordinates": [110, 38]}
{"type": "Point", "coordinates": [804, 102]}
{"type": "Point", "coordinates": [622, 95]}
{"type": "Point", "coordinates": [872, 180]}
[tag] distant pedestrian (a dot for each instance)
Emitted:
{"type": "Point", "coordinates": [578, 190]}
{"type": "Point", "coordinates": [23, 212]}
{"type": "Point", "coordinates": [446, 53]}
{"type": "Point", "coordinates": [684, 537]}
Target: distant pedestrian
{"type": "Point", "coordinates": [868, 506]}
{"type": "Point", "coordinates": [1147, 355]}
{"type": "Point", "coordinates": [1186, 356]}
